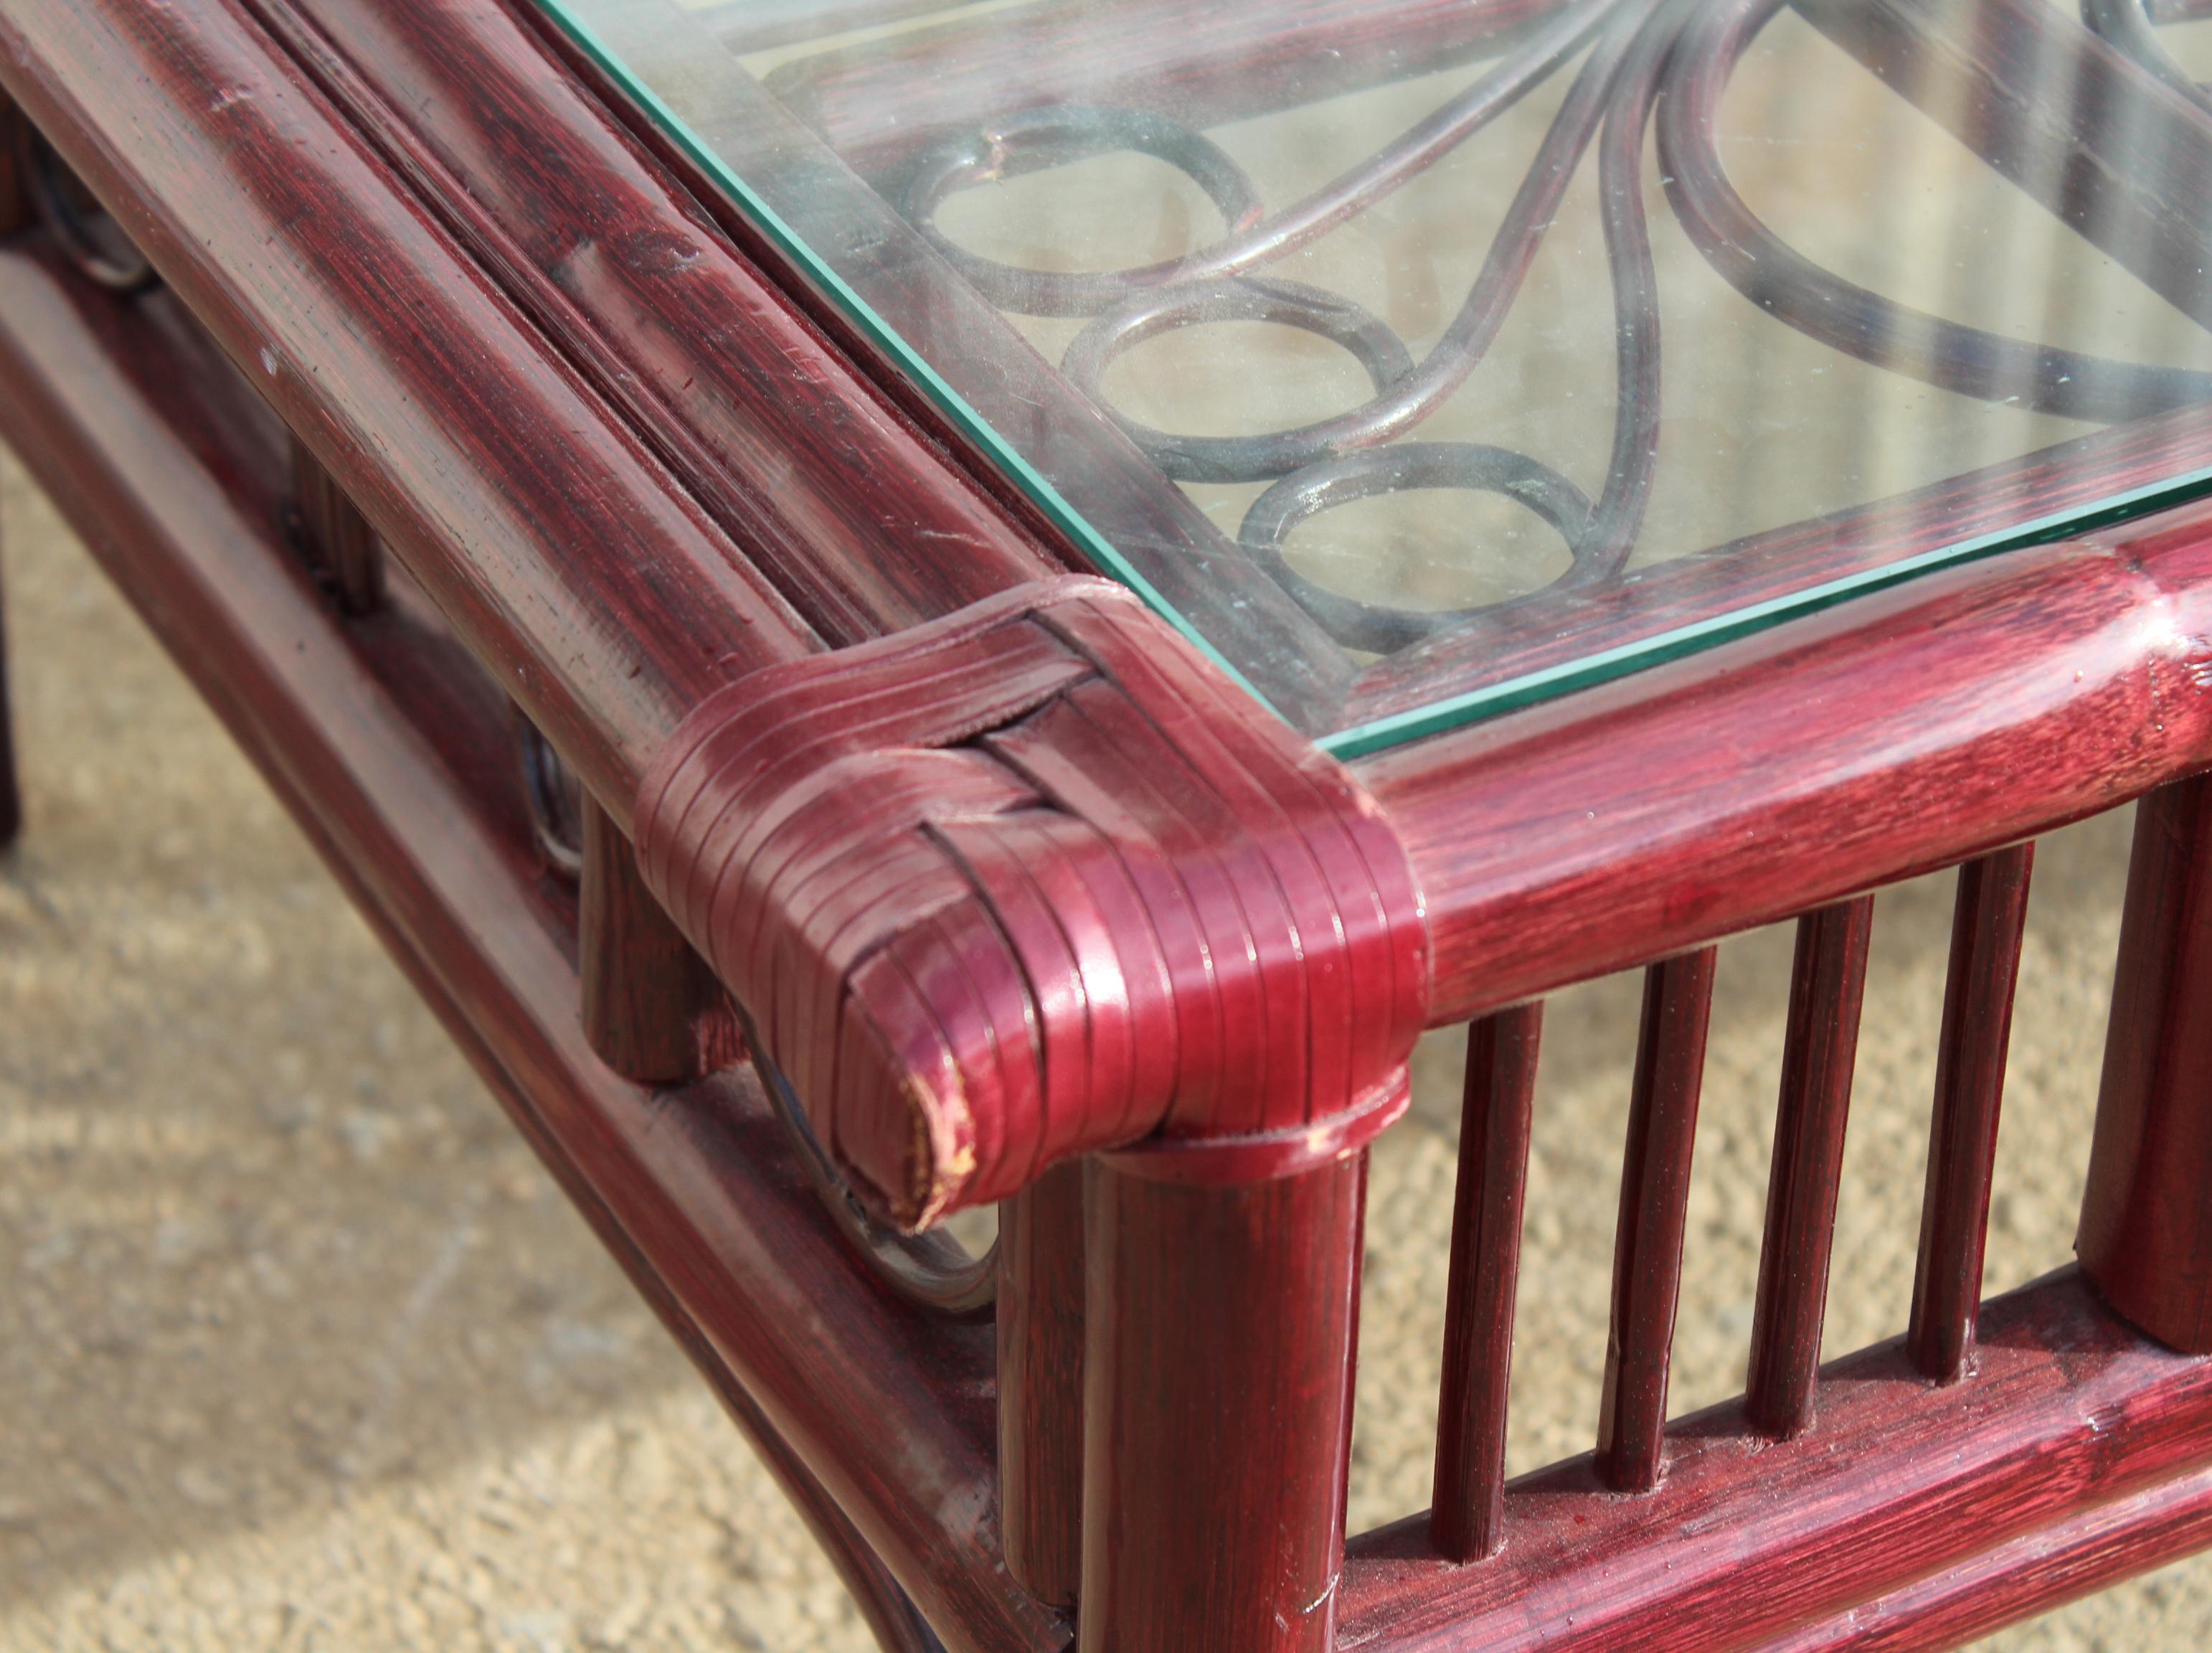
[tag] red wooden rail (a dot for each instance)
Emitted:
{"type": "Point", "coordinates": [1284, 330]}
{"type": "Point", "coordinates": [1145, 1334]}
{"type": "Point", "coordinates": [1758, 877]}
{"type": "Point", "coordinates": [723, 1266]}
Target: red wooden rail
{"type": "Point", "coordinates": [1726, 804]}
{"type": "Point", "coordinates": [1954, 1214]}
{"type": "Point", "coordinates": [2074, 1440]}
{"type": "Point", "coordinates": [393, 753]}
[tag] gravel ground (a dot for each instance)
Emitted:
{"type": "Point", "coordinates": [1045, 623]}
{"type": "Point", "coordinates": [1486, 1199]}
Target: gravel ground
{"type": "Point", "coordinates": [299, 1349]}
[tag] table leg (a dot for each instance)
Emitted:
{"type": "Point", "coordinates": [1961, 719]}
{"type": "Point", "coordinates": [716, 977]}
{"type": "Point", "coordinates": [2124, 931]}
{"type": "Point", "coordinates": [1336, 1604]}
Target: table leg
{"type": "Point", "coordinates": [1218, 1406]}
{"type": "Point", "coordinates": [1040, 1327]}
{"type": "Point", "coordinates": [2146, 1235]}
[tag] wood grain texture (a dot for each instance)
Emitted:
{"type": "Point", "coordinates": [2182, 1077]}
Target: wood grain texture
{"type": "Point", "coordinates": [336, 539]}
{"type": "Point", "coordinates": [652, 1008]}
{"type": "Point", "coordinates": [2146, 1234]}
{"type": "Point", "coordinates": [487, 465]}
{"type": "Point", "coordinates": [1990, 918]}
{"type": "Point", "coordinates": [1466, 1511]}
{"type": "Point", "coordinates": [2030, 1482]}
{"type": "Point", "coordinates": [1031, 882]}
{"type": "Point", "coordinates": [1218, 1410]}
{"type": "Point", "coordinates": [1040, 1322]}
{"type": "Point", "coordinates": [1654, 1204]}
{"type": "Point", "coordinates": [1570, 839]}
{"type": "Point", "coordinates": [881, 1416]}
{"type": "Point", "coordinates": [857, 517]}
{"type": "Point", "coordinates": [1819, 1043]}
{"type": "Point", "coordinates": [1202, 572]}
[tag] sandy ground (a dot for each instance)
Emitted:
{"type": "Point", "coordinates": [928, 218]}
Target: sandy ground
{"type": "Point", "coordinates": [299, 1349]}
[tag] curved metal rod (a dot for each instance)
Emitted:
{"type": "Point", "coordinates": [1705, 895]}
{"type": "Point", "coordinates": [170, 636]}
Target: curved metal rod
{"type": "Point", "coordinates": [1839, 314]}
{"type": "Point", "coordinates": [1599, 537]}
{"type": "Point", "coordinates": [554, 798]}
{"type": "Point", "coordinates": [1047, 137]}
{"type": "Point", "coordinates": [1416, 394]}
{"type": "Point", "coordinates": [2126, 25]}
{"type": "Point", "coordinates": [1257, 240]}
{"type": "Point", "coordinates": [49, 185]}
{"type": "Point", "coordinates": [1406, 467]}
{"type": "Point", "coordinates": [1246, 298]}
{"type": "Point", "coordinates": [931, 1271]}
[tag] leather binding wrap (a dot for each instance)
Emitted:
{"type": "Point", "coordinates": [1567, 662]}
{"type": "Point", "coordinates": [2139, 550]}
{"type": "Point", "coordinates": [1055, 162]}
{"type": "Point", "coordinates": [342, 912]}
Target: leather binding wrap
{"type": "Point", "coordinates": [1035, 881]}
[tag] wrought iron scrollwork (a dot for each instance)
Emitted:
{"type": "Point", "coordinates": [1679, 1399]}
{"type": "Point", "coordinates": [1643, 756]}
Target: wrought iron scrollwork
{"type": "Point", "coordinates": [931, 1270]}
{"type": "Point", "coordinates": [1645, 66]}
{"type": "Point", "coordinates": [96, 245]}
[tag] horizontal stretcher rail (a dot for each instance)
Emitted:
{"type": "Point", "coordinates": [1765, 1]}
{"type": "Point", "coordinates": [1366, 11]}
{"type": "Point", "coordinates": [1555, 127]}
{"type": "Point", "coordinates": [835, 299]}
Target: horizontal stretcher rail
{"type": "Point", "coordinates": [2076, 1454]}
{"type": "Point", "coordinates": [362, 729]}
{"type": "Point", "coordinates": [553, 540]}
{"type": "Point", "coordinates": [1878, 740]}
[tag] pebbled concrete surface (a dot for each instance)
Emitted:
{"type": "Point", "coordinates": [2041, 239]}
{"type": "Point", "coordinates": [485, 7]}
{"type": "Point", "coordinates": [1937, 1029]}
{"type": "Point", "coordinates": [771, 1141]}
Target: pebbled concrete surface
{"type": "Point", "coordinates": [300, 1350]}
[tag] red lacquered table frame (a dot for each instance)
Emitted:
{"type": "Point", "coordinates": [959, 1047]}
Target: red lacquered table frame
{"type": "Point", "coordinates": [1029, 906]}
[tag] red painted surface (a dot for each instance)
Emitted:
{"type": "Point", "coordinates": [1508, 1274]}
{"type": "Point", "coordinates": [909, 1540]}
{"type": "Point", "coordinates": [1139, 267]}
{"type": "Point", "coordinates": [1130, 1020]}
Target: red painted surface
{"type": "Point", "coordinates": [880, 1417]}
{"type": "Point", "coordinates": [1467, 1512]}
{"type": "Point", "coordinates": [2032, 1479]}
{"type": "Point", "coordinates": [1655, 1203]}
{"type": "Point", "coordinates": [651, 1009]}
{"type": "Point", "coordinates": [490, 467]}
{"type": "Point", "coordinates": [2146, 1234]}
{"type": "Point", "coordinates": [1990, 916]}
{"type": "Point", "coordinates": [834, 494]}
{"type": "Point", "coordinates": [1818, 1047]}
{"type": "Point", "coordinates": [1032, 881]}
{"type": "Point", "coordinates": [1218, 1410]}
{"type": "Point", "coordinates": [1822, 758]}
{"type": "Point", "coordinates": [1040, 1322]}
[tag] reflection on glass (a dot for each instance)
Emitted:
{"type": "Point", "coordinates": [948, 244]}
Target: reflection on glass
{"type": "Point", "coordinates": [1422, 359]}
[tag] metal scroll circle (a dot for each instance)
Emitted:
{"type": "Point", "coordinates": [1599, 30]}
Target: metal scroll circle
{"type": "Point", "coordinates": [1050, 138]}
{"type": "Point", "coordinates": [931, 1271]}
{"type": "Point", "coordinates": [556, 798]}
{"type": "Point", "coordinates": [1250, 298]}
{"type": "Point", "coordinates": [1379, 627]}
{"type": "Point", "coordinates": [108, 257]}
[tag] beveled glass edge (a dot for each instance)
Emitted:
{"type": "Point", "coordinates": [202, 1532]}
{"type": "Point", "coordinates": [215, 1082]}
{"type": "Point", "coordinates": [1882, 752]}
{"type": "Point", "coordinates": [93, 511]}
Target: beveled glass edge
{"type": "Point", "coordinates": [1399, 729]}
{"type": "Point", "coordinates": [888, 338]}
{"type": "Point", "coordinates": [1456, 710]}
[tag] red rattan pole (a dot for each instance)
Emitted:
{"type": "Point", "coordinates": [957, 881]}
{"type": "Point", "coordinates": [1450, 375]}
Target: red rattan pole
{"type": "Point", "coordinates": [652, 1010]}
{"type": "Point", "coordinates": [1040, 1322]}
{"type": "Point", "coordinates": [1970, 1066]}
{"type": "Point", "coordinates": [1825, 988]}
{"type": "Point", "coordinates": [2146, 1235]}
{"type": "Point", "coordinates": [1467, 1516]}
{"type": "Point", "coordinates": [1217, 1409]}
{"type": "Point", "coordinates": [1654, 1198]}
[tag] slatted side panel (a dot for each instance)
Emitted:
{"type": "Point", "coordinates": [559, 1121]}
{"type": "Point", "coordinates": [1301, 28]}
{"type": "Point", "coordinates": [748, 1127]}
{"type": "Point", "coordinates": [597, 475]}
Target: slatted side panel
{"type": "Point", "coordinates": [1469, 1519]}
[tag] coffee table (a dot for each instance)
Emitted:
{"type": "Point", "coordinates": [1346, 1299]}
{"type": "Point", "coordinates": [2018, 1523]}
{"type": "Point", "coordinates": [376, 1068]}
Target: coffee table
{"type": "Point", "coordinates": [893, 608]}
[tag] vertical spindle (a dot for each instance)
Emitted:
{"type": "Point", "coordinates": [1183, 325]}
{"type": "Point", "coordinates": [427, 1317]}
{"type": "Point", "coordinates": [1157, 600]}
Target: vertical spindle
{"type": "Point", "coordinates": [1467, 1514]}
{"type": "Point", "coordinates": [1655, 1197]}
{"type": "Point", "coordinates": [651, 1009]}
{"type": "Point", "coordinates": [1986, 926]}
{"type": "Point", "coordinates": [340, 546]}
{"type": "Point", "coordinates": [2146, 1237]}
{"type": "Point", "coordinates": [1826, 984]}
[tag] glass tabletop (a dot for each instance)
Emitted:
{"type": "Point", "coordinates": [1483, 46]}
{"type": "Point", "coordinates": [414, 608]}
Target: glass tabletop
{"type": "Point", "coordinates": [1423, 358]}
